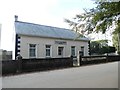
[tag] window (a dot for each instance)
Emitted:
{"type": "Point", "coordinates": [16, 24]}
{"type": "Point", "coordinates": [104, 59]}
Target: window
{"type": "Point", "coordinates": [72, 50]}
{"type": "Point", "coordinates": [60, 51]}
{"type": "Point", "coordinates": [32, 50]}
{"type": "Point", "coordinates": [48, 50]}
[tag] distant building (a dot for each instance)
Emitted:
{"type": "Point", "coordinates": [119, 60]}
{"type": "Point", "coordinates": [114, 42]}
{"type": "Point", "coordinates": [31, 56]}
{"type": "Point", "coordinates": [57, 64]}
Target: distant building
{"type": "Point", "coordinates": [5, 55]}
{"type": "Point", "coordinates": [40, 41]}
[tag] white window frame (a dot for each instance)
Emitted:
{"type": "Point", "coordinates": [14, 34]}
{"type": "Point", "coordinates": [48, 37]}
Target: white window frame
{"type": "Point", "coordinates": [75, 50]}
{"type": "Point", "coordinates": [49, 49]}
{"type": "Point", "coordinates": [35, 51]}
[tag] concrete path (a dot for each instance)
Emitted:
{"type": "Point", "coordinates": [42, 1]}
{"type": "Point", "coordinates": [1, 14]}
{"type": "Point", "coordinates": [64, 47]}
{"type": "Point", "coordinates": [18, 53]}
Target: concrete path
{"type": "Point", "coordinates": [94, 76]}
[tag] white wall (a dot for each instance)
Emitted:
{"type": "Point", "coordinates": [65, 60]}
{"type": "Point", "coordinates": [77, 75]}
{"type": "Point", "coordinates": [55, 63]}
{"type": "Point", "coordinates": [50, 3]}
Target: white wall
{"type": "Point", "coordinates": [41, 42]}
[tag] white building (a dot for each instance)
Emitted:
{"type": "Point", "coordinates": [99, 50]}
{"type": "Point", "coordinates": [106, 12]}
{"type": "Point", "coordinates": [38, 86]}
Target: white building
{"type": "Point", "coordinates": [40, 41]}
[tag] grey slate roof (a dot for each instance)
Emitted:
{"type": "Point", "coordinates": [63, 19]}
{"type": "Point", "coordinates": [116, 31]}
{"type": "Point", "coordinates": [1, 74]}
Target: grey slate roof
{"type": "Point", "coordinates": [31, 29]}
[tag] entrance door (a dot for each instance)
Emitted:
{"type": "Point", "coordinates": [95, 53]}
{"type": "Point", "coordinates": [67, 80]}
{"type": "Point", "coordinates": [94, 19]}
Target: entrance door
{"type": "Point", "coordinates": [60, 51]}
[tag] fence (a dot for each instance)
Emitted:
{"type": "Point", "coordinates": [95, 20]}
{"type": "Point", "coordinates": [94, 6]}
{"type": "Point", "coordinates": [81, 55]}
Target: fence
{"type": "Point", "coordinates": [28, 65]}
{"type": "Point", "coordinates": [98, 59]}
{"type": "Point", "coordinates": [9, 66]}
{"type": "Point", "coordinates": [48, 63]}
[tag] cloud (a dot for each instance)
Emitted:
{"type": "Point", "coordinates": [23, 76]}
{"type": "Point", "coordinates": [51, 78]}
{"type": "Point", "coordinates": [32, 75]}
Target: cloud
{"type": "Point", "coordinates": [46, 12]}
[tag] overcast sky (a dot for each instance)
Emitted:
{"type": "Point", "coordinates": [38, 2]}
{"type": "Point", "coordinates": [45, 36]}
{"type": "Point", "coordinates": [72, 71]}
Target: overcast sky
{"type": "Point", "coordinates": [45, 12]}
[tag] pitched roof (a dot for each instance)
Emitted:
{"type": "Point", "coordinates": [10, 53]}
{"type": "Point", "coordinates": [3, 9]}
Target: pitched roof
{"type": "Point", "coordinates": [25, 28]}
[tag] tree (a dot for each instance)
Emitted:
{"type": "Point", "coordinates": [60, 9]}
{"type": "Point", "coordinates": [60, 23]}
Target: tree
{"type": "Point", "coordinates": [109, 13]}
{"type": "Point", "coordinates": [98, 19]}
{"type": "Point", "coordinates": [116, 41]}
{"type": "Point", "coordinates": [101, 47]}
{"type": "Point", "coordinates": [94, 46]}
{"type": "Point", "coordinates": [106, 13]}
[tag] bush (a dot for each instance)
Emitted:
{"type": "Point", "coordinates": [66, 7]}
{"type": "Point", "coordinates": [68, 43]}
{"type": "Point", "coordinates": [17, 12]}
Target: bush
{"type": "Point", "coordinates": [119, 52]}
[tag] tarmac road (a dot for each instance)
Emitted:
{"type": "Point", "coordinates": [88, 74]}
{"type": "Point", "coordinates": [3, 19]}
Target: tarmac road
{"type": "Point", "coordinates": [94, 76]}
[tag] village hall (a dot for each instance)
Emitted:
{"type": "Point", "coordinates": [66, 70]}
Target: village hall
{"type": "Point", "coordinates": [41, 41]}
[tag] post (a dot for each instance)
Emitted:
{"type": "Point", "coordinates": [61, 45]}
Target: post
{"type": "Point", "coordinates": [71, 60]}
{"type": "Point", "coordinates": [19, 60]}
{"type": "Point", "coordinates": [80, 54]}
{"type": "Point", "coordinates": [80, 61]}
{"type": "Point", "coordinates": [107, 58]}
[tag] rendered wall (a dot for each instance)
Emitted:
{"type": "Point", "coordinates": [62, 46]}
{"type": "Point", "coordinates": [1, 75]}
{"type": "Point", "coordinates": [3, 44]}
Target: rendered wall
{"type": "Point", "coordinates": [41, 42]}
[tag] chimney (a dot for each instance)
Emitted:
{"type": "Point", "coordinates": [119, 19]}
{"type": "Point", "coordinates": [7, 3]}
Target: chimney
{"type": "Point", "coordinates": [16, 18]}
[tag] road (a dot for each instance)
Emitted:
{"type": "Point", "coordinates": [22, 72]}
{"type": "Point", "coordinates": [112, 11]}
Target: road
{"type": "Point", "coordinates": [93, 76]}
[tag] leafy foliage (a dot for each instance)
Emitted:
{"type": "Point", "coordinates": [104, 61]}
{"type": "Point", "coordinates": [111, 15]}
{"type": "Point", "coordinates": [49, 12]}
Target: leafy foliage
{"type": "Point", "coordinates": [101, 47]}
{"type": "Point", "coordinates": [107, 12]}
{"type": "Point", "coordinates": [98, 19]}
{"type": "Point", "coordinates": [82, 23]}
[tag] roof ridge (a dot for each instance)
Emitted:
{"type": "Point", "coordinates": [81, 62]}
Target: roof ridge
{"type": "Point", "coordinates": [42, 25]}
{"type": "Point", "coordinates": [41, 30]}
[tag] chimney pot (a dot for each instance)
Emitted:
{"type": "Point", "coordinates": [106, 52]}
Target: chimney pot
{"type": "Point", "coordinates": [16, 18]}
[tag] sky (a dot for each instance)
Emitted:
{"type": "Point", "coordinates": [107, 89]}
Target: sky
{"type": "Point", "coordinates": [44, 12]}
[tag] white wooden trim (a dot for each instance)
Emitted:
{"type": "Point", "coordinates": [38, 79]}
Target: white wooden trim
{"type": "Point", "coordinates": [19, 39]}
{"type": "Point", "coordinates": [50, 51]}
{"type": "Point", "coordinates": [35, 50]}
{"type": "Point", "coordinates": [18, 52]}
